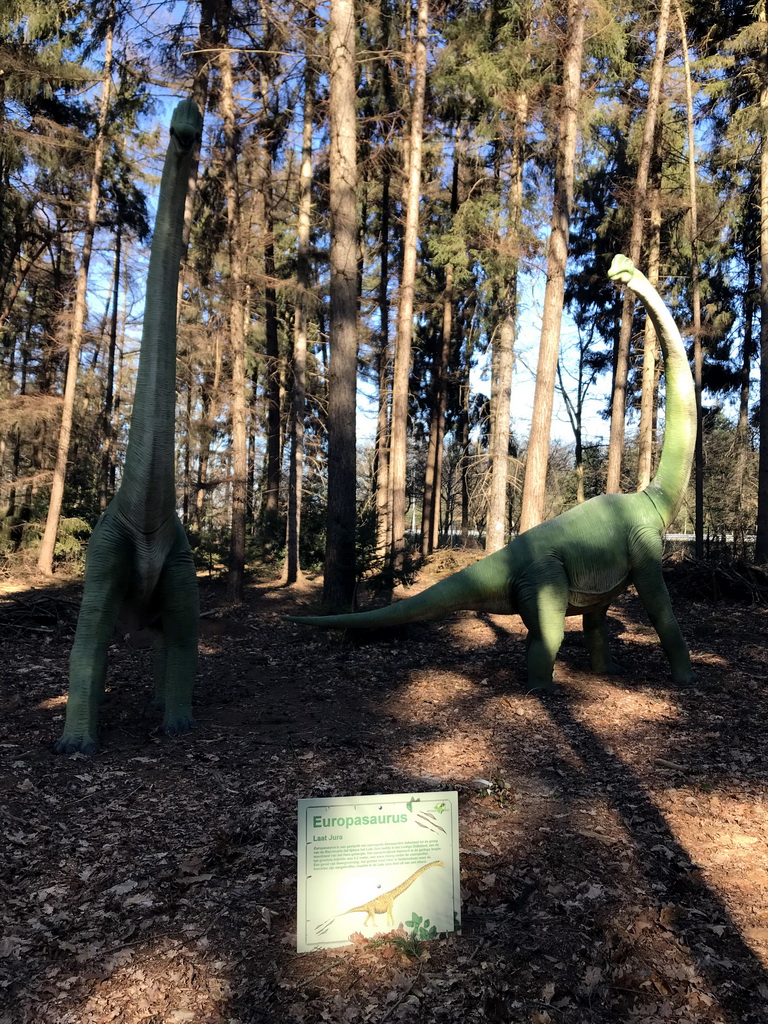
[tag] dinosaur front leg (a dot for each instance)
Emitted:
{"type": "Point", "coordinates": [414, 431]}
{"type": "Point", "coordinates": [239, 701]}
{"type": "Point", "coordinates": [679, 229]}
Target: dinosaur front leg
{"type": "Point", "coordinates": [596, 641]}
{"type": "Point", "coordinates": [542, 603]}
{"type": "Point", "coordinates": [106, 582]}
{"type": "Point", "coordinates": [652, 591]}
{"type": "Point", "coordinates": [175, 660]}
{"type": "Point", "coordinates": [654, 595]}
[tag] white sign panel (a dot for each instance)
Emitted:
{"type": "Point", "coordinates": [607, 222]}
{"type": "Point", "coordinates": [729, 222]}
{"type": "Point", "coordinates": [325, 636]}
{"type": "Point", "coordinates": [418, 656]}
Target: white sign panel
{"type": "Point", "coordinates": [369, 864]}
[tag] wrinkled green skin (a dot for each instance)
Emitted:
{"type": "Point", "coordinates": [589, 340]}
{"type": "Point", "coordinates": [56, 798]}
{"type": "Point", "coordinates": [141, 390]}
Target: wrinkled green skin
{"type": "Point", "coordinates": [138, 554]}
{"type": "Point", "coordinates": [579, 562]}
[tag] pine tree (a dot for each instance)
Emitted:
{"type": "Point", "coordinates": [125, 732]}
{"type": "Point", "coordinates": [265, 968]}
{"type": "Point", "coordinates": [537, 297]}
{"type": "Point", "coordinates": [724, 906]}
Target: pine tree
{"type": "Point", "coordinates": [339, 580]}
{"type": "Point", "coordinates": [538, 443]}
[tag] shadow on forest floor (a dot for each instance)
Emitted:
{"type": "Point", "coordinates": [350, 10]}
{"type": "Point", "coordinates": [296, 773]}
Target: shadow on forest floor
{"type": "Point", "coordinates": [622, 875]}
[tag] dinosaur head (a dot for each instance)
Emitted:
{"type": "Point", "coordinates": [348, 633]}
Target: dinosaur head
{"type": "Point", "coordinates": [622, 269]}
{"type": "Point", "coordinates": [186, 124]}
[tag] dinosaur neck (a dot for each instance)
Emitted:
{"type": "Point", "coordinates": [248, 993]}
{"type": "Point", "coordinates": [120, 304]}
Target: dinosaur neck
{"type": "Point", "coordinates": [668, 487]}
{"type": "Point", "coordinates": [147, 492]}
{"type": "Point", "coordinates": [409, 881]}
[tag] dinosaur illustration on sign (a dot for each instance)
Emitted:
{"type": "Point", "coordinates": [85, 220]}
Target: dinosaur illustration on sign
{"type": "Point", "coordinates": [381, 903]}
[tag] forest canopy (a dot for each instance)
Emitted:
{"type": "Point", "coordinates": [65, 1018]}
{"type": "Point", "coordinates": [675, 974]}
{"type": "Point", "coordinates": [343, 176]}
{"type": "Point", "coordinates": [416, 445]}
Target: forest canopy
{"type": "Point", "coordinates": [414, 219]}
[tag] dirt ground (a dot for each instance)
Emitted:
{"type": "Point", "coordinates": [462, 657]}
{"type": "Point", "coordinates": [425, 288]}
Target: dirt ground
{"type": "Point", "coordinates": [614, 864]}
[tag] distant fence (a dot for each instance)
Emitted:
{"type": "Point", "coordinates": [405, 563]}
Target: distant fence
{"type": "Point", "coordinates": [720, 547]}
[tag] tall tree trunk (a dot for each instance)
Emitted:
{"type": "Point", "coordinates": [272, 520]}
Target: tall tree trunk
{"type": "Point", "coordinates": [107, 451]}
{"type": "Point", "coordinates": [296, 471]}
{"type": "Point", "coordinates": [698, 355]}
{"type": "Point", "coordinates": [498, 447]}
{"type": "Point", "coordinates": [742, 428]}
{"type": "Point", "coordinates": [621, 371]}
{"type": "Point", "coordinates": [383, 377]}
{"type": "Point", "coordinates": [209, 390]}
{"type": "Point", "coordinates": [429, 465]}
{"type": "Point", "coordinates": [237, 315]}
{"type": "Point", "coordinates": [339, 582]}
{"type": "Point", "coordinates": [434, 468]}
{"type": "Point", "coordinates": [761, 541]}
{"type": "Point", "coordinates": [501, 391]}
{"type": "Point", "coordinates": [534, 489]}
{"type": "Point", "coordinates": [272, 352]}
{"type": "Point", "coordinates": [48, 544]}
{"type": "Point", "coordinates": [442, 399]}
{"type": "Point", "coordinates": [399, 427]}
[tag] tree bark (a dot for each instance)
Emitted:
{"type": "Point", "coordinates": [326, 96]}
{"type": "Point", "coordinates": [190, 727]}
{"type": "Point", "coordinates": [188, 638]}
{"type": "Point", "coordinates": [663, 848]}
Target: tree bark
{"type": "Point", "coordinates": [619, 401]}
{"type": "Point", "coordinates": [383, 378]}
{"type": "Point", "coordinates": [434, 468]}
{"type": "Point", "coordinates": [209, 391]}
{"type": "Point", "coordinates": [399, 426]}
{"type": "Point", "coordinates": [273, 370]}
{"type": "Point", "coordinates": [501, 396]}
{"type": "Point", "coordinates": [339, 581]}
{"type": "Point", "coordinates": [48, 544]}
{"type": "Point", "coordinates": [742, 428]}
{"type": "Point", "coordinates": [237, 319]}
{"type": "Point", "coordinates": [761, 541]}
{"type": "Point", "coordinates": [107, 452]}
{"type": "Point", "coordinates": [698, 355]}
{"type": "Point", "coordinates": [296, 470]}
{"type": "Point", "coordinates": [501, 391]}
{"type": "Point", "coordinates": [534, 488]}
{"type": "Point", "coordinates": [442, 402]}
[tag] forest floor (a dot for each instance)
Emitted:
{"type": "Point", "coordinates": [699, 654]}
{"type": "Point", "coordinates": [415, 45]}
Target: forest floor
{"type": "Point", "coordinates": [616, 869]}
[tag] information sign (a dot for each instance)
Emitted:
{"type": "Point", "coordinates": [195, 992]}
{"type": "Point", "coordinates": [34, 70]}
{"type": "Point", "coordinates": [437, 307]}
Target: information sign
{"type": "Point", "coordinates": [368, 864]}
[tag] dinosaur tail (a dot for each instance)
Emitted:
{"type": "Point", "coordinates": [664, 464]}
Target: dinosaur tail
{"type": "Point", "coordinates": [668, 487]}
{"type": "Point", "coordinates": [484, 586]}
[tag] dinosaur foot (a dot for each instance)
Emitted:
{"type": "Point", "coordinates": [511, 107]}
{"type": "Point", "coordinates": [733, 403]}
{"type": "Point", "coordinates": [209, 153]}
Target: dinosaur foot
{"type": "Point", "coordinates": [610, 669]}
{"type": "Point", "coordinates": [76, 743]}
{"type": "Point", "coordinates": [181, 722]}
{"type": "Point", "coordinates": [545, 687]}
{"type": "Point", "coordinates": [685, 680]}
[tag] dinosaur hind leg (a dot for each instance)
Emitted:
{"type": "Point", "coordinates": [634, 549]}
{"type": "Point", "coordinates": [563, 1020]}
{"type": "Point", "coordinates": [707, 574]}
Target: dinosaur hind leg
{"type": "Point", "coordinates": [107, 577]}
{"type": "Point", "coordinates": [175, 638]}
{"type": "Point", "coordinates": [596, 641]}
{"type": "Point", "coordinates": [542, 605]}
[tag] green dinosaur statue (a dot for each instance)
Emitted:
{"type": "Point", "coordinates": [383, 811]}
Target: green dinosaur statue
{"type": "Point", "coordinates": [138, 553]}
{"type": "Point", "coordinates": [579, 562]}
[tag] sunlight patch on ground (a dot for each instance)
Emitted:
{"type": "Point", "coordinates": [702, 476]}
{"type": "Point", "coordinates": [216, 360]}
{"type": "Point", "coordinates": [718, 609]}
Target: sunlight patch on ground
{"type": "Point", "coordinates": [157, 981]}
{"type": "Point", "coordinates": [726, 837]}
{"type": "Point", "coordinates": [420, 692]}
{"type": "Point", "coordinates": [14, 586]}
{"type": "Point", "coordinates": [643, 706]}
{"type": "Point", "coordinates": [460, 757]}
{"type": "Point", "coordinates": [52, 702]}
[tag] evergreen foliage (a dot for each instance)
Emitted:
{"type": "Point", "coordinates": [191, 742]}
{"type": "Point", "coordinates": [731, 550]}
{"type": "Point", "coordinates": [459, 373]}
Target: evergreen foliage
{"type": "Point", "coordinates": [476, 257]}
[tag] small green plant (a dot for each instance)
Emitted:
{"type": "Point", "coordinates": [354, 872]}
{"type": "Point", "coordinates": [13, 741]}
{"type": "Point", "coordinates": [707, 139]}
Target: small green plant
{"type": "Point", "coordinates": [500, 790]}
{"type": "Point", "coordinates": [411, 944]}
